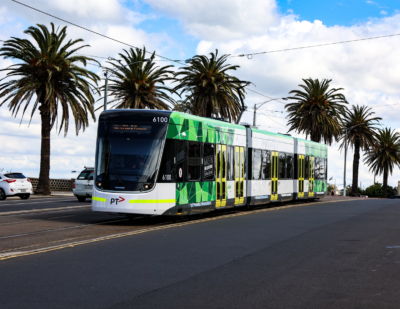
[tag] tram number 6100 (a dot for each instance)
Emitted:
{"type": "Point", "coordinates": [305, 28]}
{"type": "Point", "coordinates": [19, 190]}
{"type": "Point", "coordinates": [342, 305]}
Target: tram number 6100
{"type": "Point", "coordinates": [160, 119]}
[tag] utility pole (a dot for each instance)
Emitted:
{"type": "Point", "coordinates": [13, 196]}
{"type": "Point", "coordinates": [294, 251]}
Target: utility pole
{"type": "Point", "coordinates": [254, 115]}
{"type": "Point", "coordinates": [106, 89]}
{"type": "Point", "coordinates": [345, 158]}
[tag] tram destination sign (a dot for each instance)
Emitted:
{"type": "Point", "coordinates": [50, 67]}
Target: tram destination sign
{"type": "Point", "coordinates": [131, 128]}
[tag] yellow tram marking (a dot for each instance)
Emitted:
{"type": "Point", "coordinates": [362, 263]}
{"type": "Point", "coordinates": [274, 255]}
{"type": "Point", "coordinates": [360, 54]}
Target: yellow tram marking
{"type": "Point", "coordinates": [99, 199]}
{"type": "Point", "coordinates": [151, 201]}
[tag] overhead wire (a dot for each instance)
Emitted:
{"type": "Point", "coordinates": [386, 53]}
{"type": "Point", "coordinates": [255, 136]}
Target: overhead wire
{"type": "Point", "coordinates": [110, 38]}
{"type": "Point", "coordinates": [259, 112]}
{"type": "Point", "coordinates": [250, 55]}
{"type": "Point", "coordinates": [277, 100]}
{"type": "Point", "coordinates": [124, 43]}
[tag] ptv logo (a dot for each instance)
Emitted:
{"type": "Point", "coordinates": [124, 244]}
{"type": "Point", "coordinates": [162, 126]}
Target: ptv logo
{"type": "Point", "coordinates": [117, 200]}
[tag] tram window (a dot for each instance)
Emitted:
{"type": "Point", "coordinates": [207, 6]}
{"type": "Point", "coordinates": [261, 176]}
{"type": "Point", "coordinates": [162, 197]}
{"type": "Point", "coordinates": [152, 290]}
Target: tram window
{"type": "Point", "coordinates": [317, 168]}
{"type": "Point", "coordinates": [167, 166]}
{"type": "Point", "coordinates": [321, 168]}
{"type": "Point", "coordinates": [266, 164]}
{"type": "Point", "coordinates": [307, 173]}
{"type": "Point", "coordinates": [326, 169]}
{"type": "Point", "coordinates": [180, 160]}
{"type": "Point", "coordinates": [256, 164]}
{"type": "Point", "coordinates": [289, 166]}
{"type": "Point", "coordinates": [194, 160]}
{"type": "Point", "coordinates": [282, 166]}
{"type": "Point", "coordinates": [208, 162]}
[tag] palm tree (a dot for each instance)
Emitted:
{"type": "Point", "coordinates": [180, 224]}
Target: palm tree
{"type": "Point", "coordinates": [384, 156]}
{"type": "Point", "coordinates": [318, 110]}
{"type": "Point", "coordinates": [138, 83]}
{"type": "Point", "coordinates": [184, 106]}
{"type": "Point", "coordinates": [362, 135]}
{"type": "Point", "coordinates": [211, 89]}
{"type": "Point", "coordinates": [48, 74]}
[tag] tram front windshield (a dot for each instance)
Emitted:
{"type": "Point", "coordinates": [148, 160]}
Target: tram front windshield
{"type": "Point", "coordinates": [128, 155]}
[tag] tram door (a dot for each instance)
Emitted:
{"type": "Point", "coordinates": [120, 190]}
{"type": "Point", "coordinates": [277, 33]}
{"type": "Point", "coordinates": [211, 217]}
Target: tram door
{"type": "Point", "coordinates": [301, 176]}
{"type": "Point", "coordinates": [221, 176]}
{"type": "Point", "coordinates": [311, 179]}
{"type": "Point", "coordinates": [239, 175]}
{"type": "Point", "coordinates": [274, 175]}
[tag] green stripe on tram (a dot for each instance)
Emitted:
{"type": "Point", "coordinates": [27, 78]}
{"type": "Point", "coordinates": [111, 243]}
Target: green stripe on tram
{"type": "Point", "coordinates": [151, 201]}
{"type": "Point", "coordinates": [99, 199]}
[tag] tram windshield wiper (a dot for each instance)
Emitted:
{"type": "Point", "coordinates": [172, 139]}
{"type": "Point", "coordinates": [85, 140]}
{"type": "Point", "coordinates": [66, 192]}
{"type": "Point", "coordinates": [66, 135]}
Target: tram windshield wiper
{"type": "Point", "coordinates": [108, 163]}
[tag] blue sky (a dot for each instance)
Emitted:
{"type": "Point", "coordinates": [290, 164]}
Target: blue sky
{"type": "Point", "coordinates": [368, 71]}
{"type": "Point", "coordinates": [342, 13]}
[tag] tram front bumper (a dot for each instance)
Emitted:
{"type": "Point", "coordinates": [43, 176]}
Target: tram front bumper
{"type": "Point", "coordinates": [155, 202]}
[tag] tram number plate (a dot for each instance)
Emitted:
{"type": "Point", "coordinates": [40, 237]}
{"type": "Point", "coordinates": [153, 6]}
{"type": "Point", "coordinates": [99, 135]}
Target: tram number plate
{"type": "Point", "coordinates": [160, 119]}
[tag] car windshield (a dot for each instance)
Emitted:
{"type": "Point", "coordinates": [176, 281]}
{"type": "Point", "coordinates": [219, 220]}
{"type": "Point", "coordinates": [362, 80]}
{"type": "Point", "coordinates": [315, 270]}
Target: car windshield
{"type": "Point", "coordinates": [15, 175]}
{"type": "Point", "coordinates": [128, 154]}
{"type": "Point", "coordinates": [86, 175]}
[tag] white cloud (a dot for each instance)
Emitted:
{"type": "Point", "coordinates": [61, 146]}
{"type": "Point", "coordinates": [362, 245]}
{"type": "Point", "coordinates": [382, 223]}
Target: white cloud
{"type": "Point", "coordinates": [21, 143]}
{"type": "Point", "coordinates": [368, 70]}
{"type": "Point", "coordinates": [221, 20]}
{"type": "Point", "coordinates": [383, 12]}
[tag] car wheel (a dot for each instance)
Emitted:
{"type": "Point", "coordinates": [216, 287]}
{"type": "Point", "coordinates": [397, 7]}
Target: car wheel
{"type": "Point", "coordinates": [24, 196]}
{"type": "Point", "coordinates": [2, 195]}
{"type": "Point", "coordinates": [81, 198]}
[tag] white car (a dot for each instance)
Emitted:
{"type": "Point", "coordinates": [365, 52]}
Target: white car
{"type": "Point", "coordinates": [15, 184]}
{"type": "Point", "coordinates": [83, 185]}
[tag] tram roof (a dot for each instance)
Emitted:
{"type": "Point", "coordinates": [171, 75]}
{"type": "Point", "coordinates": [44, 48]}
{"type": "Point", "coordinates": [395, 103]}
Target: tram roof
{"type": "Point", "coordinates": [313, 144]}
{"type": "Point", "coordinates": [178, 118]}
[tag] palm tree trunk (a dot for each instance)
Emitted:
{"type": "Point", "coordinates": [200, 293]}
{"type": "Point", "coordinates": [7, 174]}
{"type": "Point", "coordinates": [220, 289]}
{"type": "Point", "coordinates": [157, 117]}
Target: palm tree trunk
{"type": "Point", "coordinates": [209, 110]}
{"type": "Point", "coordinates": [43, 186]}
{"type": "Point", "coordinates": [385, 180]}
{"type": "Point", "coordinates": [356, 163]}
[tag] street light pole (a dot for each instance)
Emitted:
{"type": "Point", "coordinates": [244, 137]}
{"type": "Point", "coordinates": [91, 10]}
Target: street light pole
{"type": "Point", "coordinates": [261, 104]}
{"type": "Point", "coordinates": [345, 158]}
{"type": "Point", "coordinates": [254, 115]}
{"type": "Point", "coordinates": [105, 90]}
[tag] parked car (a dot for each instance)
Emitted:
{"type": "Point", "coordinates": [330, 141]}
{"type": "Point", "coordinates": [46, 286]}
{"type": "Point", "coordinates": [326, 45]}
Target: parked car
{"type": "Point", "coordinates": [15, 184]}
{"type": "Point", "coordinates": [83, 185]}
{"type": "Point", "coordinates": [395, 197]}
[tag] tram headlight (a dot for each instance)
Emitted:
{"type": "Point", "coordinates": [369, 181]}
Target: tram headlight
{"type": "Point", "coordinates": [148, 186]}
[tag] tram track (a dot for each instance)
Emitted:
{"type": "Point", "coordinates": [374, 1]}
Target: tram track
{"type": "Point", "coordinates": [53, 239]}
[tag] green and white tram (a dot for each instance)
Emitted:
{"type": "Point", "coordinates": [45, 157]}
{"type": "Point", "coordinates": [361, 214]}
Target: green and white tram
{"type": "Point", "coordinates": [168, 163]}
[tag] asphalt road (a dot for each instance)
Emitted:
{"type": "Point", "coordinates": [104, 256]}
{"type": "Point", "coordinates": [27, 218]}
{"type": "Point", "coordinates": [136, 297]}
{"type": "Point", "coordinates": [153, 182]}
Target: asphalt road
{"type": "Point", "coordinates": [325, 255]}
{"type": "Point", "coordinates": [33, 204]}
